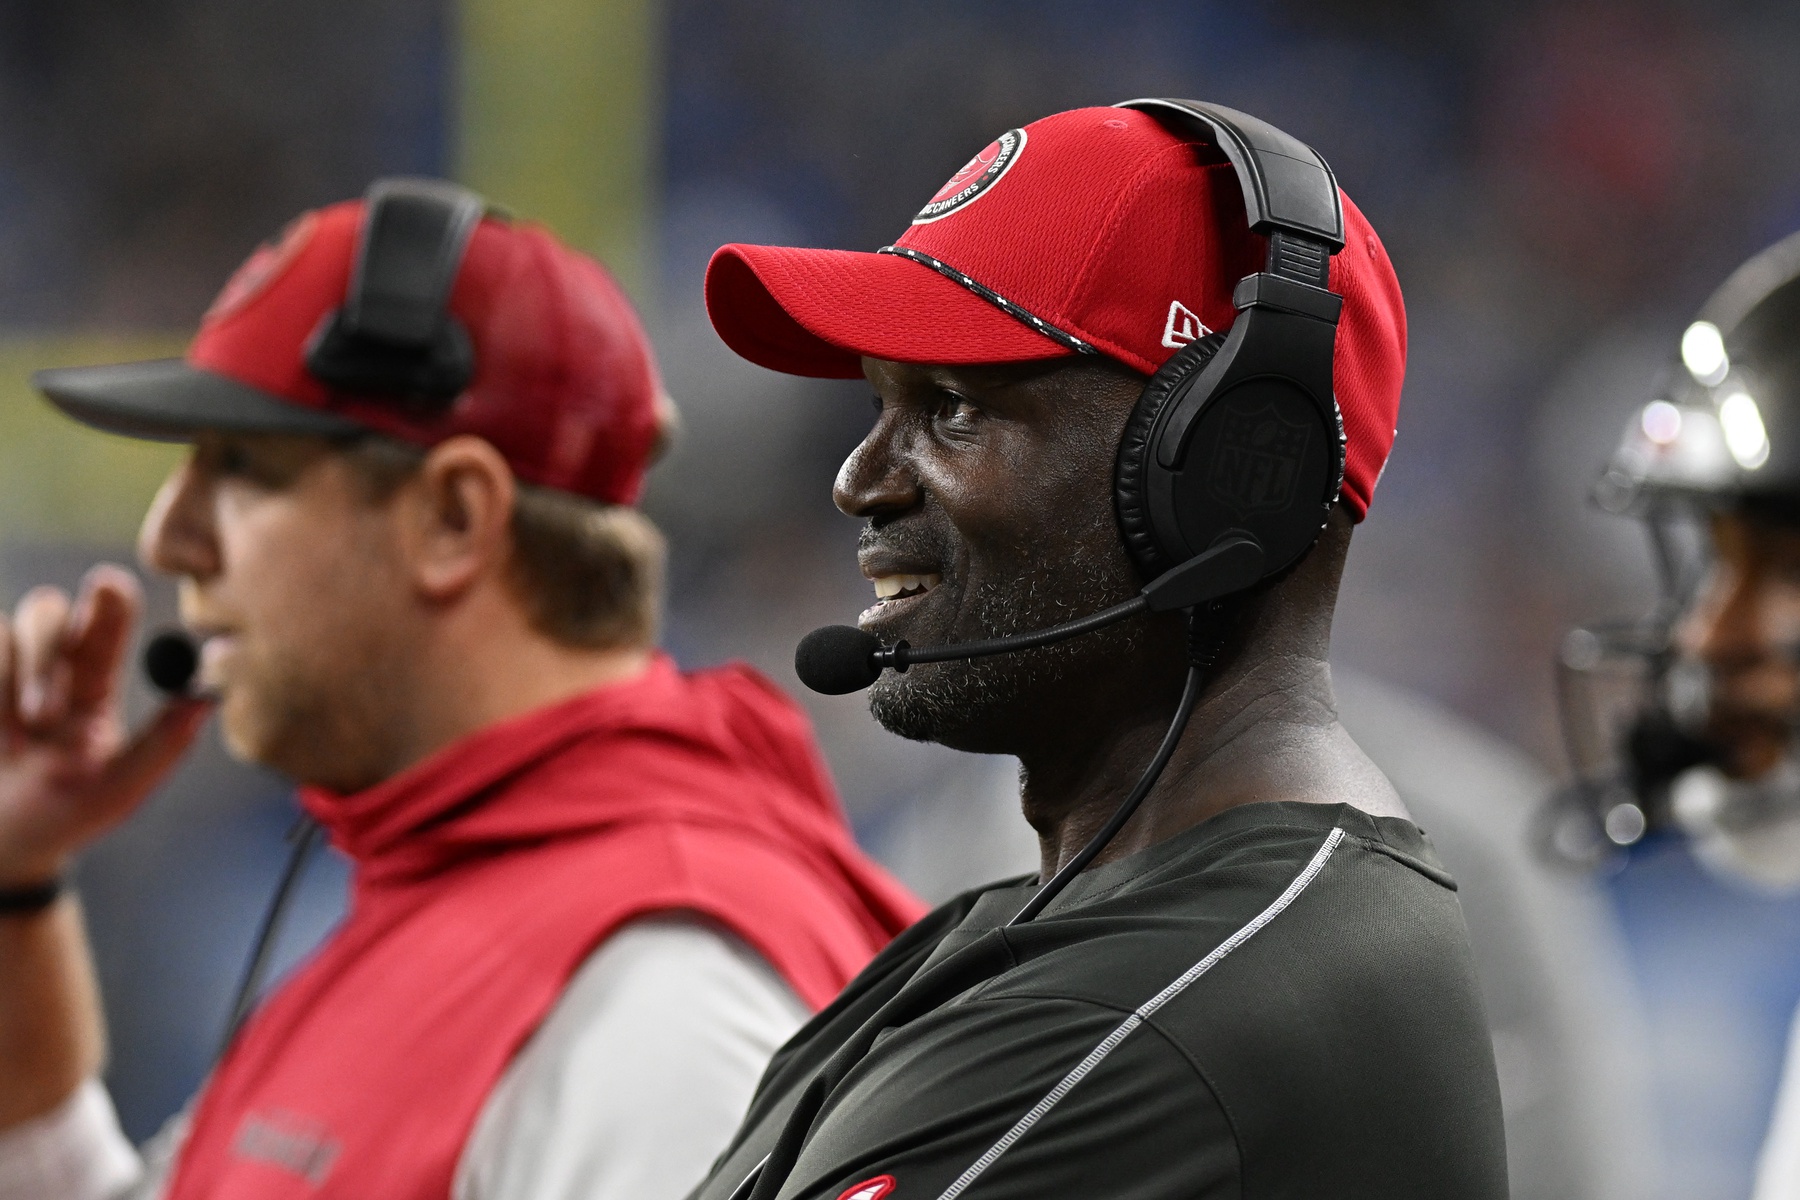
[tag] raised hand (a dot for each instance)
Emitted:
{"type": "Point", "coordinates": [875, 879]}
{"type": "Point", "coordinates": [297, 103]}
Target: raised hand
{"type": "Point", "coordinates": [69, 769]}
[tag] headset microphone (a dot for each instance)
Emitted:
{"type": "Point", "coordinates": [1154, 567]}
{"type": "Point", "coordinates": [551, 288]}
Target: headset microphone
{"type": "Point", "coordinates": [171, 660]}
{"type": "Point", "coordinates": [839, 659]}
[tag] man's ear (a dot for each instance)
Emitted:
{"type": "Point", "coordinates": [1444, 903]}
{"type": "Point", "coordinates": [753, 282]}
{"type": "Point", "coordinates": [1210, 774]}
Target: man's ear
{"type": "Point", "coordinates": [457, 517]}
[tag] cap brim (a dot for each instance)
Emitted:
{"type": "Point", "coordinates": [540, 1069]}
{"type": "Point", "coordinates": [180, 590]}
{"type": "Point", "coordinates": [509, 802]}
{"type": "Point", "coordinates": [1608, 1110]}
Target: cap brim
{"type": "Point", "coordinates": [819, 312]}
{"type": "Point", "coordinates": [169, 400]}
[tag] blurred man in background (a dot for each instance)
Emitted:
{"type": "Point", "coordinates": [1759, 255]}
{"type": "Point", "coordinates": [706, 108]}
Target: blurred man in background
{"type": "Point", "coordinates": [591, 893]}
{"type": "Point", "coordinates": [1688, 717]}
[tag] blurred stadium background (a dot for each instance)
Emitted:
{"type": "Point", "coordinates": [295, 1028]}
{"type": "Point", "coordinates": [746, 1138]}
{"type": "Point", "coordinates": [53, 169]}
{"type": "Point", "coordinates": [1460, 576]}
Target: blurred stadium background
{"type": "Point", "coordinates": [1559, 184]}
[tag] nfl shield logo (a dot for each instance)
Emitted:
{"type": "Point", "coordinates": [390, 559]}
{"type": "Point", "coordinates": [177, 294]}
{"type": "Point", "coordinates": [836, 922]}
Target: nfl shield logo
{"type": "Point", "coordinates": [1258, 459]}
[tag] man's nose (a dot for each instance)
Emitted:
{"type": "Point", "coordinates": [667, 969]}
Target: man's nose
{"type": "Point", "coordinates": [875, 480]}
{"type": "Point", "coordinates": [178, 537]}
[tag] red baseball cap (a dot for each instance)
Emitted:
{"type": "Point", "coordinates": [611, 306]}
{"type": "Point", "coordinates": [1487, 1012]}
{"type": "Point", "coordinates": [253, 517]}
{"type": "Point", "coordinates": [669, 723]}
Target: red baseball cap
{"type": "Point", "coordinates": [1099, 227]}
{"type": "Point", "coordinates": [565, 383]}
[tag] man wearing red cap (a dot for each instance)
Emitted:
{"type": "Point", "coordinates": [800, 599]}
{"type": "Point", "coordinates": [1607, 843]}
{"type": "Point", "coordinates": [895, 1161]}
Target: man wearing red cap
{"type": "Point", "coordinates": [590, 894]}
{"type": "Point", "coordinates": [1263, 986]}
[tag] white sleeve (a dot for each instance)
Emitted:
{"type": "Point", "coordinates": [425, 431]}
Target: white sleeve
{"type": "Point", "coordinates": [1778, 1170]}
{"type": "Point", "coordinates": [76, 1151]}
{"type": "Point", "coordinates": [640, 1074]}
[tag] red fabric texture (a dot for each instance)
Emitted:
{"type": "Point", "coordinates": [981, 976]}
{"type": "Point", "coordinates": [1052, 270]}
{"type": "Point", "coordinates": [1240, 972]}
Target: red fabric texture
{"type": "Point", "coordinates": [1103, 221]}
{"type": "Point", "coordinates": [484, 877]}
{"type": "Point", "coordinates": [565, 386]}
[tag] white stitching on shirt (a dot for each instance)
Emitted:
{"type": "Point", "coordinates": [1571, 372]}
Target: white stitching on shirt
{"type": "Point", "coordinates": [1112, 1040]}
{"type": "Point", "coordinates": [748, 1183]}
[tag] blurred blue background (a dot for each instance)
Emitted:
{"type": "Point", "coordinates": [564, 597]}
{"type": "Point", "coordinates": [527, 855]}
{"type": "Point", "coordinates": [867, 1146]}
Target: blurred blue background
{"type": "Point", "coordinates": [1559, 185]}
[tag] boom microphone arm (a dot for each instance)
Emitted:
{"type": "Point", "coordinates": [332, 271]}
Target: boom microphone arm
{"type": "Point", "coordinates": [840, 659]}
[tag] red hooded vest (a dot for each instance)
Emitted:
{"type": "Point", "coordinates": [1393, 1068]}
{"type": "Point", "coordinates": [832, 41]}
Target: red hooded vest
{"type": "Point", "coordinates": [484, 877]}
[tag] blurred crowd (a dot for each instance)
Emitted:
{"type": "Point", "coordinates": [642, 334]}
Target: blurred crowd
{"type": "Point", "coordinates": [1559, 185]}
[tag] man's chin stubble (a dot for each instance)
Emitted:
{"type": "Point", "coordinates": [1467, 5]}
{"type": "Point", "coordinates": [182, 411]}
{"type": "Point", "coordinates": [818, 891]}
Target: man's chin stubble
{"type": "Point", "coordinates": [962, 704]}
{"type": "Point", "coordinates": [303, 733]}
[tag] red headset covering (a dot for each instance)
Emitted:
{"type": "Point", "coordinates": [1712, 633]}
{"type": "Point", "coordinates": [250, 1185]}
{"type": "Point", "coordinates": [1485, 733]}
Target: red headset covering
{"type": "Point", "coordinates": [484, 876]}
{"type": "Point", "coordinates": [565, 384]}
{"type": "Point", "coordinates": [1101, 222]}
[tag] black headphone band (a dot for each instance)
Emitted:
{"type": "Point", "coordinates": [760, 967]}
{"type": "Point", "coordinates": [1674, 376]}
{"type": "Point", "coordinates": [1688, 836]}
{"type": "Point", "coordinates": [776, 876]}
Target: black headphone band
{"type": "Point", "coordinates": [414, 234]}
{"type": "Point", "coordinates": [394, 334]}
{"type": "Point", "coordinates": [1291, 198]}
{"type": "Point", "coordinates": [1290, 194]}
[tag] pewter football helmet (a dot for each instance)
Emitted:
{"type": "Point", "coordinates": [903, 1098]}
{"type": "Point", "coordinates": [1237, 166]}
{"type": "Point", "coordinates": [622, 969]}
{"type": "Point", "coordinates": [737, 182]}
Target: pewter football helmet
{"type": "Point", "coordinates": [1723, 431]}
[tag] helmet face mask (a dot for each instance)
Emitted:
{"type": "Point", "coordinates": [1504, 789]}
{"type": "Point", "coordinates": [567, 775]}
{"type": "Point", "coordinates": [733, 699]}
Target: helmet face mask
{"type": "Point", "coordinates": [1647, 704]}
{"type": "Point", "coordinates": [1633, 713]}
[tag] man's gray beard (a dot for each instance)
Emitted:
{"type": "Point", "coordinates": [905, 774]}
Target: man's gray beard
{"type": "Point", "coordinates": [935, 702]}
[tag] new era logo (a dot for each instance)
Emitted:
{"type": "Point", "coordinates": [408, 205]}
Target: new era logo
{"type": "Point", "coordinates": [869, 1189]}
{"type": "Point", "coordinates": [1182, 327]}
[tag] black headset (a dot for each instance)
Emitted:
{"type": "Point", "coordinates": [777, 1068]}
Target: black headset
{"type": "Point", "coordinates": [1235, 452]}
{"type": "Point", "coordinates": [394, 335]}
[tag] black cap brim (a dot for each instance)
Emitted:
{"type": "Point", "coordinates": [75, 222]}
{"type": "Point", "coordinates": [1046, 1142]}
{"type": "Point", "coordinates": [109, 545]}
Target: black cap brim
{"type": "Point", "coordinates": [168, 400]}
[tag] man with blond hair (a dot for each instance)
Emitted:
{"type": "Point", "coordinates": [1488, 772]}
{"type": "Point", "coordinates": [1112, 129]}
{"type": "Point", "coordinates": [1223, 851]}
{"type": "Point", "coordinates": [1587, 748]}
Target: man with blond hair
{"type": "Point", "coordinates": [590, 893]}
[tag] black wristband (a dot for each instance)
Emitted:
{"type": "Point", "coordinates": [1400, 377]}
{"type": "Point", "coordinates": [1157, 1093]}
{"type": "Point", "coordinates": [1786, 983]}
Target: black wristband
{"type": "Point", "coordinates": [33, 899]}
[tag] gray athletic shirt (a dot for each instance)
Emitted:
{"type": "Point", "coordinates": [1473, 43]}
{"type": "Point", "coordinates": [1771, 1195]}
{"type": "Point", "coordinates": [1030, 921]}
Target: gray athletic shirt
{"type": "Point", "coordinates": [1279, 1002]}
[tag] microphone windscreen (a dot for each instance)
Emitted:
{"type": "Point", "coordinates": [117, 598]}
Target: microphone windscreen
{"type": "Point", "coordinates": [837, 660]}
{"type": "Point", "coordinates": [170, 661]}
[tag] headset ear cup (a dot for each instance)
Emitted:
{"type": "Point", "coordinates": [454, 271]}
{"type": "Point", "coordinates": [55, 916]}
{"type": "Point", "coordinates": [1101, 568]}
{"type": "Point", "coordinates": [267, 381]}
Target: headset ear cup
{"type": "Point", "coordinates": [1130, 504]}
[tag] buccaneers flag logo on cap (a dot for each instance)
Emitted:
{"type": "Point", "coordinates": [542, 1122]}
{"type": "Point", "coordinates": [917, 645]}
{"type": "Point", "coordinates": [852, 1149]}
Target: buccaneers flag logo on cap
{"type": "Point", "coordinates": [263, 267]}
{"type": "Point", "coordinates": [977, 176]}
